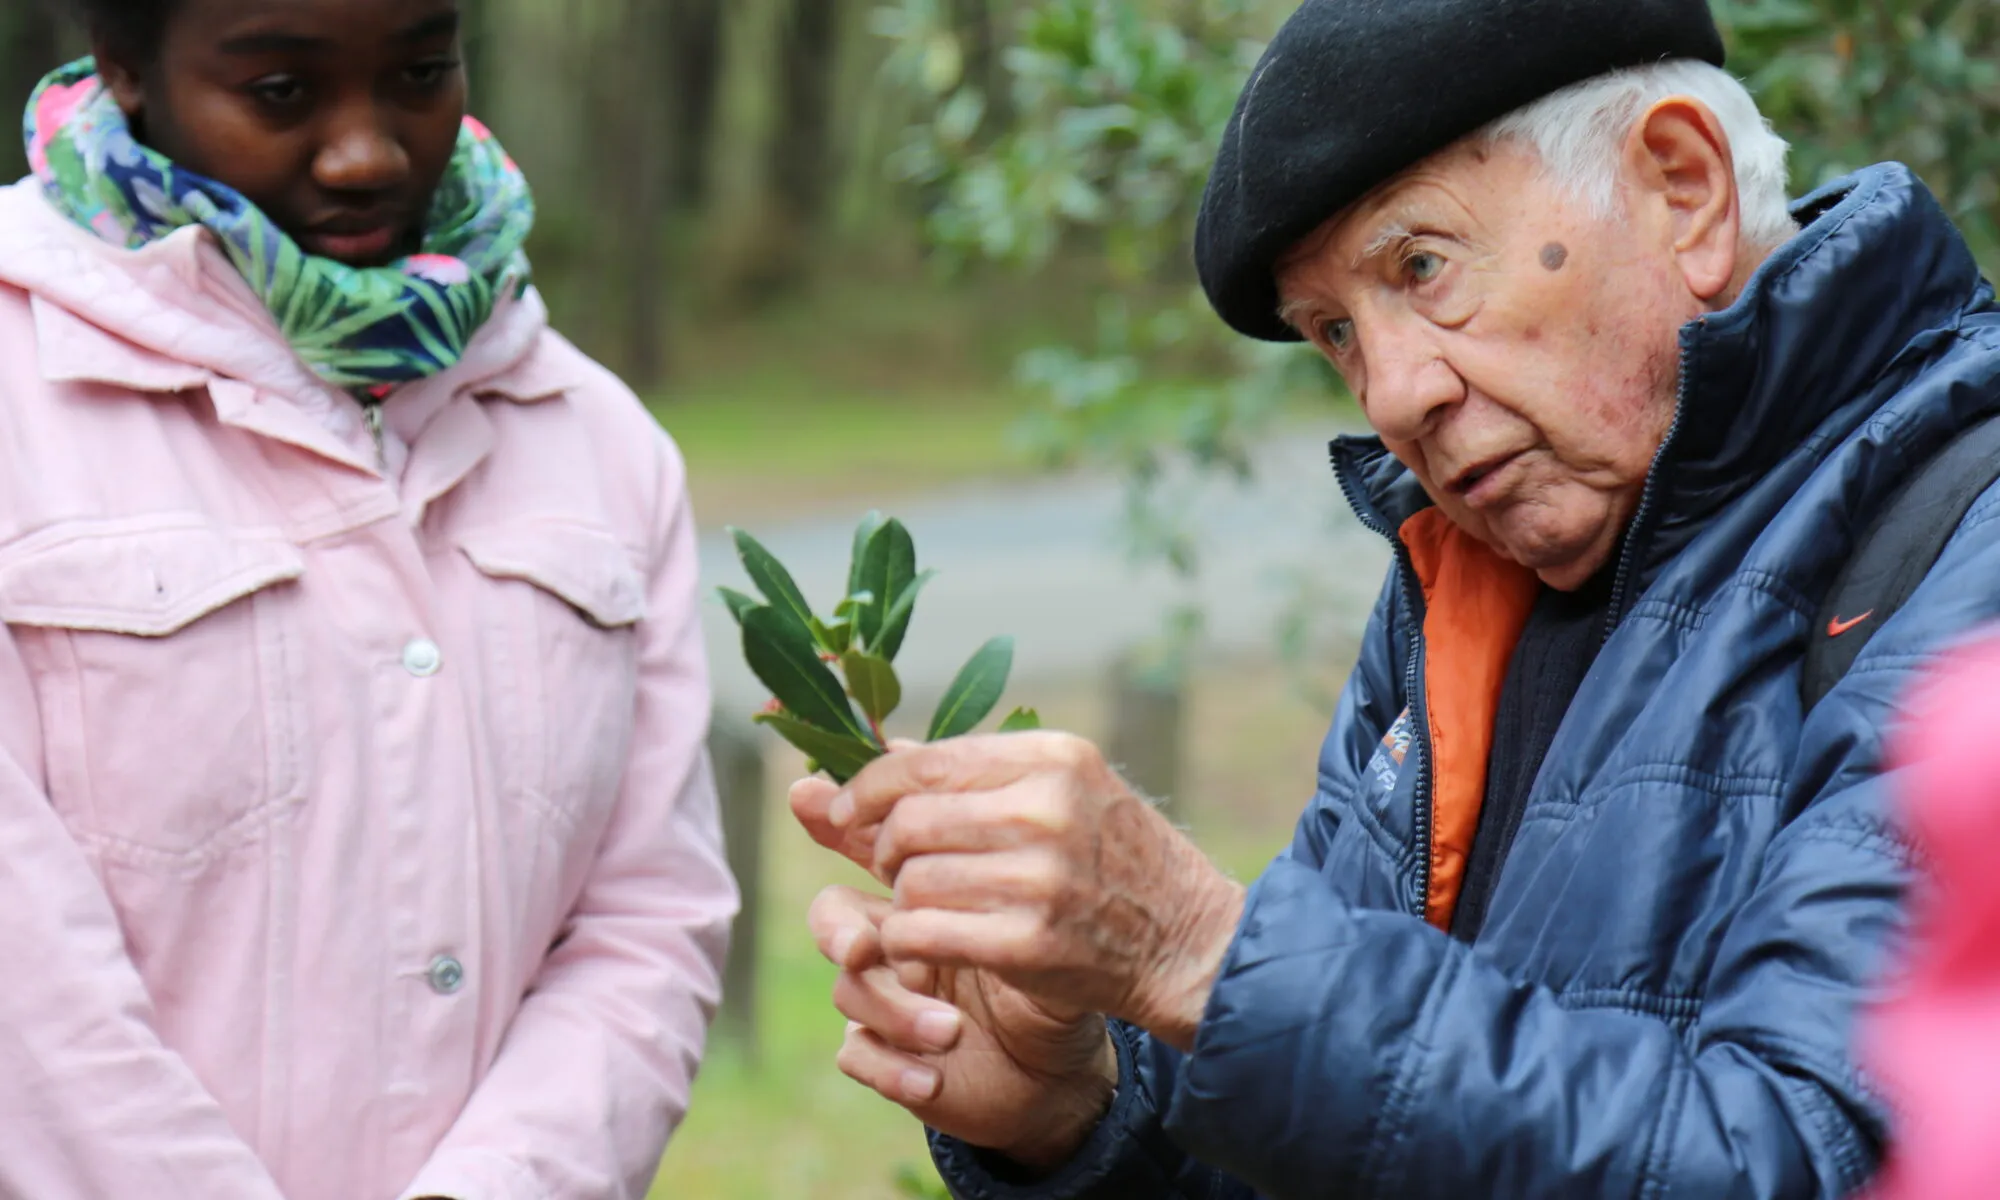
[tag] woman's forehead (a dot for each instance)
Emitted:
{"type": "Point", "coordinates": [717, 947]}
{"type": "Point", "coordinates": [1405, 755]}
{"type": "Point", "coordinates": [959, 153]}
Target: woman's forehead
{"type": "Point", "coordinates": [329, 21]}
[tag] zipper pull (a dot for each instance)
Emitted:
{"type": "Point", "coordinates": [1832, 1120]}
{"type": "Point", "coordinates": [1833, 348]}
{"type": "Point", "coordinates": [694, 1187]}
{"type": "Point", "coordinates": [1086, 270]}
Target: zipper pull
{"type": "Point", "coordinates": [371, 416]}
{"type": "Point", "coordinates": [371, 400]}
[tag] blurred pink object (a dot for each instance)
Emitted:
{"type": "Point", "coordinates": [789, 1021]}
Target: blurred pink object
{"type": "Point", "coordinates": [1936, 1042]}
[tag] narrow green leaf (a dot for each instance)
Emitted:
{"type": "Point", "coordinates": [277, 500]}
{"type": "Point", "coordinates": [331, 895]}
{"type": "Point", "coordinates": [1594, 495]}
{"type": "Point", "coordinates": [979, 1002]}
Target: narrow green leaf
{"type": "Point", "coordinates": [853, 604]}
{"type": "Point", "coordinates": [975, 691]}
{"type": "Point", "coordinates": [738, 602]}
{"type": "Point", "coordinates": [1021, 720]}
{"type": "Point", "coordinates": [888, 565]}
{"type": "Point", "coordinates": [897, 622]}
{"type": "Point", "coordinates": [863, 534]}
{"type": "Point", "coordinates": [772, 579]}
{"type": "Point", "coordinates": [872, 681]}
{"type": "Point", "coordinates": [837, 754]}
{"type": "Point", "coordinates": [782, 655]}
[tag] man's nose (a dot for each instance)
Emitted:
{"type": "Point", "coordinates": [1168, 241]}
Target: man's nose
{"type": "Point", "coordinates": [360, 153]}
{"type": "Point", "coordinates": [1408, 384]}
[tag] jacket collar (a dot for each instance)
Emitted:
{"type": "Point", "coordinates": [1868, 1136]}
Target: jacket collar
{"type": "Point", "coordinates": [1878, 272]}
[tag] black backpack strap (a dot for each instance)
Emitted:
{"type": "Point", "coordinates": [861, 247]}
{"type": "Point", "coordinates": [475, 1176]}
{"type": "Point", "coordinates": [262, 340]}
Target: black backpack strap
{"type": "Point", "coordinates": [1895, 553]}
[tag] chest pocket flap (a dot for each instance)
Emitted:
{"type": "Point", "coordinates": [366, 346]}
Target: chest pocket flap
{"type": "Point", "coordinates": [587, 567]}
{"type": "Point", "coordinates": [149, 580]}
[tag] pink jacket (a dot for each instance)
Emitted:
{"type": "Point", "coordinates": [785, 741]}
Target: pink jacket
{"type": "Point", "coordinates": [358, 839]}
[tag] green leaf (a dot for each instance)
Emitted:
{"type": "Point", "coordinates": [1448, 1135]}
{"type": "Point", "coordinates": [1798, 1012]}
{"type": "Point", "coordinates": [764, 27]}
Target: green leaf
{"type": "Point", "coordinates": [976, 690]}
{"type": "Point", "coordinates": [833, 637]}
{"type": "Point", "coordinates": [863, 534]}
{"type": "Point", "coordinates": [872, 681]}
{"type": "Point", "coordinates": [782, 655]}
{"type": "Point", "coordinates": [897, 622]}
{"type": "Point", "coordinates": [738, 602]}
{"type": "Point", "coordinates": [837, 754]}
{"type": "Point", "coordinates": [888, 565]}
{"type": "Point", "coordinates": [1021, 720]}
{"type": "Point", "coordinates": [772, 579]}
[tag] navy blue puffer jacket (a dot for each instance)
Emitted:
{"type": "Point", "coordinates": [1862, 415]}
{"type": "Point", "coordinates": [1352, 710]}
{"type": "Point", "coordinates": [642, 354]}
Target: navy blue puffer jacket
{"type": "Point", "coordinates": [1706, 881]}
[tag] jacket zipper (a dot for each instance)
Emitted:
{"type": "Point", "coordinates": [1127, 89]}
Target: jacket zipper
{"type": "Point", "coordinates": [1412, 596]}
{"type": "Point", "coordinates": [1628, 558]}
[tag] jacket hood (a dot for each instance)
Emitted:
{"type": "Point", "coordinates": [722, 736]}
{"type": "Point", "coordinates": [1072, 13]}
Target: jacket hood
{"type": "Point", "coordinates": [1878, 271]}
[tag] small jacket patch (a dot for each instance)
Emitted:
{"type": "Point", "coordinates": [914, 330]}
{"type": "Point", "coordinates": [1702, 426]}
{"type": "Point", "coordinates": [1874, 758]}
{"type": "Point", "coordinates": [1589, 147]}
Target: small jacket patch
{"type": "Point", "coordinates": [1387, 762]}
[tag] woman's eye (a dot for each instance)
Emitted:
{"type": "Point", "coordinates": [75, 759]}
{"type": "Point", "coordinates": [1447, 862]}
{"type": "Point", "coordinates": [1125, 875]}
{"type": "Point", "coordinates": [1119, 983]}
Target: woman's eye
{"type": "Point", "coordinates": [278, 90]}
{"type": "Point", "coordinates": [1338, 334]}
{"type": "Point", "coordinates": [1424, 266]}
{"type": "Point", "coordinates": [431, 74]}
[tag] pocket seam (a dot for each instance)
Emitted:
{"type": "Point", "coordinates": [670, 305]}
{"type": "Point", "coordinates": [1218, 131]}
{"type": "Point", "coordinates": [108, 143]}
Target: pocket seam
{"type": "Point", "coordinates": [616, 599]}
{"type": "Point", "coordinates": [272, 560]}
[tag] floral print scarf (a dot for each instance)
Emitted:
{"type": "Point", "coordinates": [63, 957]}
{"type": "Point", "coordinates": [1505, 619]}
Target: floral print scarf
{"type": "Point", "coordinates": [362, 329]}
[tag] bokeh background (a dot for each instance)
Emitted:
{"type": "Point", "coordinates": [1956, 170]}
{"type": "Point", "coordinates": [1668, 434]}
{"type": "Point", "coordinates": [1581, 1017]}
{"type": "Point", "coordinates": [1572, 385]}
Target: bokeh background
{"type": "Point", "coordinates": [931, 256]}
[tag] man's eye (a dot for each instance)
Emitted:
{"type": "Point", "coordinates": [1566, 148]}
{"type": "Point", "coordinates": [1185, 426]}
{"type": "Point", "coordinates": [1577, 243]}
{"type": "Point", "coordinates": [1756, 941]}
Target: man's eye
{"type": "Point", "coordinates": [1424, 266]}
{"type": "Point", "coordinates": [1338, 334]}
{"type": "Point", "coordinates": [278, 90]}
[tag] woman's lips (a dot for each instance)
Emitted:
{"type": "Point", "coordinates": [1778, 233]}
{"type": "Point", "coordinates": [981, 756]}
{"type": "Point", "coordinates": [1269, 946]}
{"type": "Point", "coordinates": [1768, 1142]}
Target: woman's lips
{"type": "Point", "coordinates": [368, 246]}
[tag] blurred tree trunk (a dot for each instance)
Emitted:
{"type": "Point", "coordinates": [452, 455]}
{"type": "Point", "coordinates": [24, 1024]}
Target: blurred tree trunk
{"type": "Point", "coordinates": [808, 38]}
{"type": "Point", "coordinates": [30, 46]}
{"type": "Point", "coordinates": [694, 57]}
{"type": "Point", "coordinates": [476, 35]}
{"type": "Point", "coordinates": [978, 27]}
{"type": "Point", "coordinates": [631, 141]}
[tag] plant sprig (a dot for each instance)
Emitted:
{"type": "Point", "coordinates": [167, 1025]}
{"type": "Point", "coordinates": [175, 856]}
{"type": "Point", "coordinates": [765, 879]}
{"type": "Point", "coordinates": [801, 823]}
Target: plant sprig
{"type": "Point", "coordinates": [833, 680]}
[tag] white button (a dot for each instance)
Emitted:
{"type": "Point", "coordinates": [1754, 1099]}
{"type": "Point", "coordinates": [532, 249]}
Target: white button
{"type": "Point", "coordinates": [422, 657]}
{"type": "Point", "coordinates": [446, 975]}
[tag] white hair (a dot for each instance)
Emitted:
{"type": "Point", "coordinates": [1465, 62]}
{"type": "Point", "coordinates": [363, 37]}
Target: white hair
{"type": "Point", "coordinates": [1580, 130]}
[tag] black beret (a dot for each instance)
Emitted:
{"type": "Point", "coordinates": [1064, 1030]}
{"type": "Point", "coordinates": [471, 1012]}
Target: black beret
{"type": "Point", "coordinates": [1350, 92]}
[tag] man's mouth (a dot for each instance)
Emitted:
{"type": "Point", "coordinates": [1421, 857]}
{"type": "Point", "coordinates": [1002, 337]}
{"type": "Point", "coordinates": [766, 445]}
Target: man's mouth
{"type": "Point", "coordinates": [1473, 484]}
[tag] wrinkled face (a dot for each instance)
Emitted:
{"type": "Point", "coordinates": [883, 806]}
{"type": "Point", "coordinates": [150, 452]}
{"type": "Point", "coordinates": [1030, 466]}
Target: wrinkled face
{"type": "Point", "coordinates": [336, 117]}
{"type": "Point", "coordinates": [1516, 350]}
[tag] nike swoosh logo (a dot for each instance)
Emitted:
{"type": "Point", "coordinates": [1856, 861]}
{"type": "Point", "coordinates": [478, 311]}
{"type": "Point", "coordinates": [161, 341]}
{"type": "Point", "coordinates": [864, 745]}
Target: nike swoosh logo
{"type": "Point", "coordinates": [1836, 627]}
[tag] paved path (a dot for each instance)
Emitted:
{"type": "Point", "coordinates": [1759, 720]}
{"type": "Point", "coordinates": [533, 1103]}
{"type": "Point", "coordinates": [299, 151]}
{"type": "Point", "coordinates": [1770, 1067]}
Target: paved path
{"type": "Point", "coordinates": [1044, 561]}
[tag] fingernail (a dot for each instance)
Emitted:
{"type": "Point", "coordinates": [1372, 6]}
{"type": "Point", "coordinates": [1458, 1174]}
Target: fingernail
{"type": "Point", "coordinates": [938, 1028]}
{"type": "Point", "coordinates": [919, 1084]}
{"type": "Point", "coordinates": [841, 811]}
{"type": "Point", "coordinates": [842, 944]}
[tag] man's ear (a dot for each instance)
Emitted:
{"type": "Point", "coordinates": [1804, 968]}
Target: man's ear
{"type": "Point", "coordinates": [122, 79]}
{"type": "Point", "coordinates": [1680, 159]}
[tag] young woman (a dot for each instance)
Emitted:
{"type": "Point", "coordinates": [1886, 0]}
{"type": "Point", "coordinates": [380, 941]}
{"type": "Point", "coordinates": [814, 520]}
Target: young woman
{"type": "Point", "coordinates": [357, 836]}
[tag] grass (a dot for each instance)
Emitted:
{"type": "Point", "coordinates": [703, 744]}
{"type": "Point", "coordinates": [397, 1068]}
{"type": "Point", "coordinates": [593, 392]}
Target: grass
{"type": "Point", "coordinates": [861, 386]}
{"type": "Point", "coordinates": [759, 449]}
{"type": "Point", "coordinates": [790, 1125]}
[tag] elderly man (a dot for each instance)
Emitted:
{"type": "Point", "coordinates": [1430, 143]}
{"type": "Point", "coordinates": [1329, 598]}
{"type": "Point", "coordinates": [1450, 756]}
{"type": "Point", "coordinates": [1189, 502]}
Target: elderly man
{"type": "Point", "coordinates": [1595, 881]}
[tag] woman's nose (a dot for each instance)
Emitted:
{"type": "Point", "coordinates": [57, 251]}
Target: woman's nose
{"type": "Point", "coordinates": [361, 154]}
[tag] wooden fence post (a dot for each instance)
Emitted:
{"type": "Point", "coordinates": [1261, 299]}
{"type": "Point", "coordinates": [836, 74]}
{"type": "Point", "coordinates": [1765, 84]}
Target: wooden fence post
{"type": "Point", "coordinates": [1146, 720]}
{"type": "Point", "coordinates": [738, 756]}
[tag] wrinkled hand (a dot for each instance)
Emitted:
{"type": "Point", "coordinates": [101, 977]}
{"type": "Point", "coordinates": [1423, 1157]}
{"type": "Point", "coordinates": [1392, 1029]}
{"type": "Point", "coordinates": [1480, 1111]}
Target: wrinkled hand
{"type": "Point", "coordinates": [966, 1054]}
{"type": "Point", "coordinates": [1025, 855]}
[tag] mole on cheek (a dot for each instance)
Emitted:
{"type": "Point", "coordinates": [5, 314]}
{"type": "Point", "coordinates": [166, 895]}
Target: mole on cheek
{"type": "Point", "coordinates": [1554, 255]}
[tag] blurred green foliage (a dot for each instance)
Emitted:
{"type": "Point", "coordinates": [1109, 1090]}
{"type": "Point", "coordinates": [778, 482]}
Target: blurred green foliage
{"type": "Point", "coordinates": [1853, 82]}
